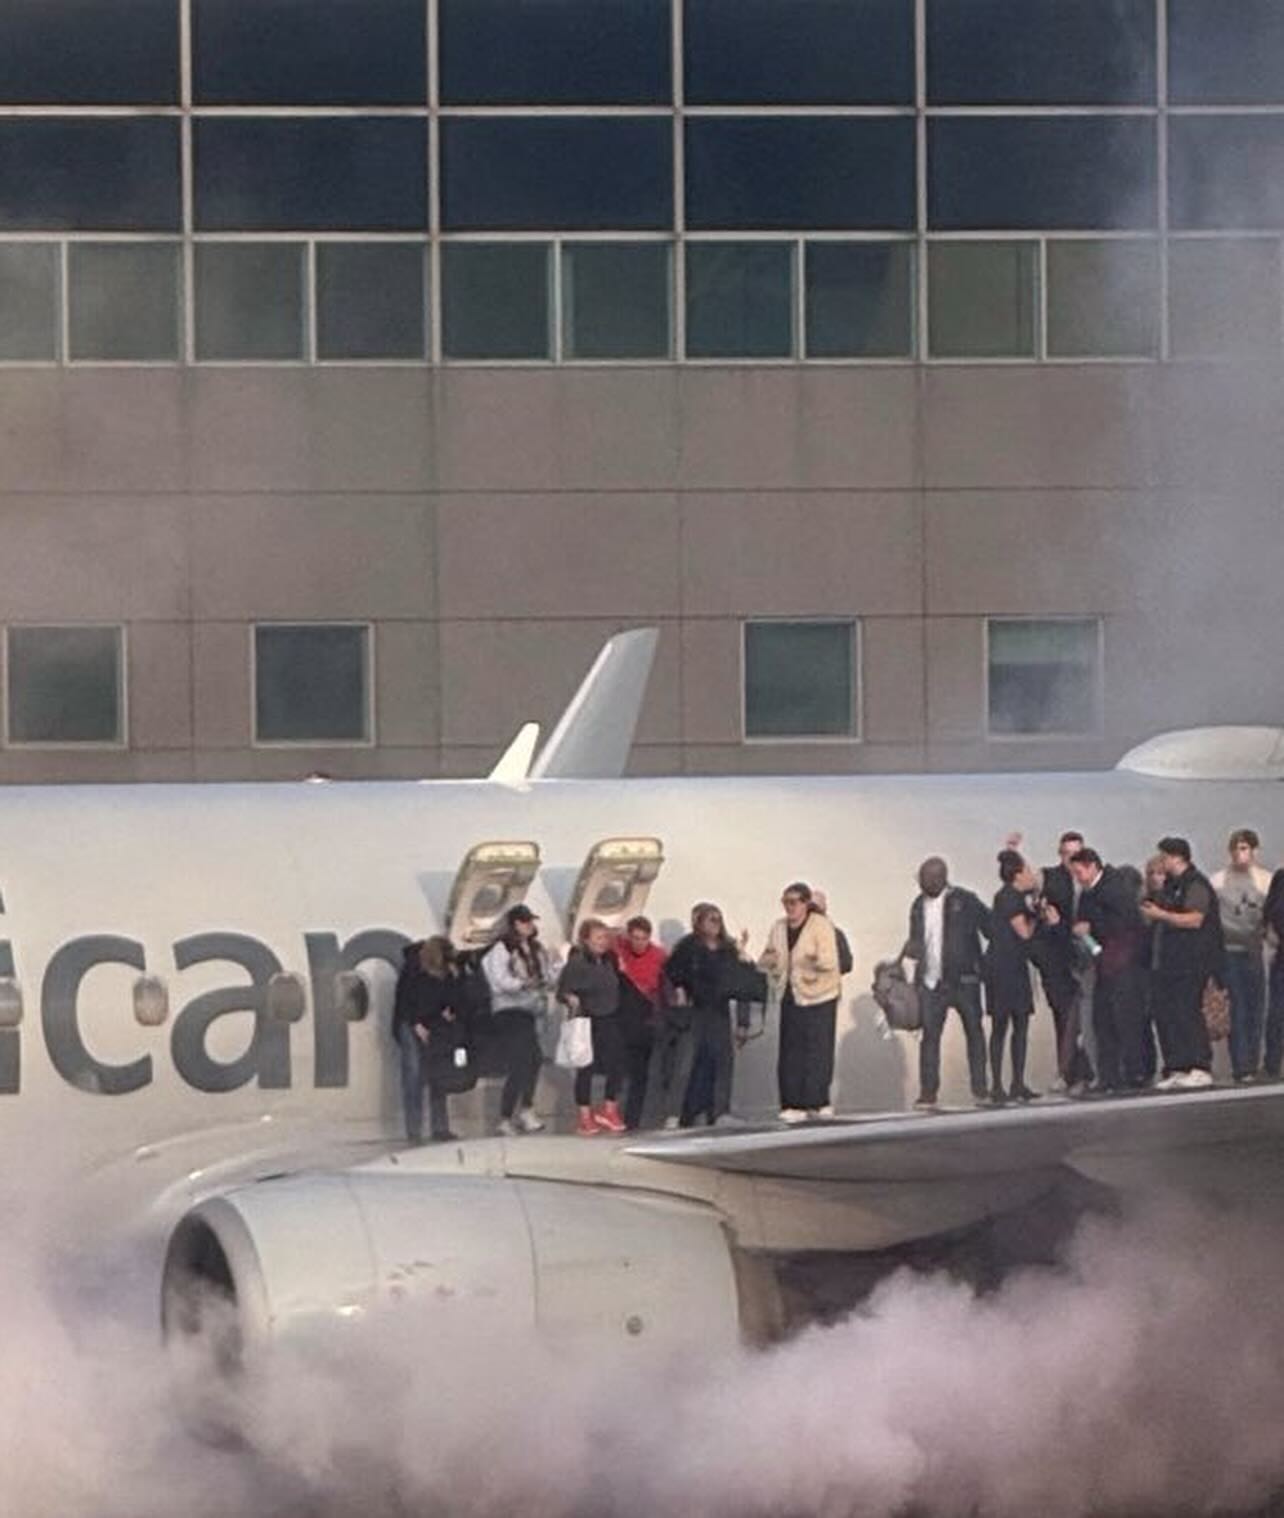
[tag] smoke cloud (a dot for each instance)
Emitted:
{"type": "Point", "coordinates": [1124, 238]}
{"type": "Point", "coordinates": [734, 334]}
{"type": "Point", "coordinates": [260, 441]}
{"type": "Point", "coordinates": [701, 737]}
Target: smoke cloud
{"type": "Point", "coordinates": [1143, 1372]}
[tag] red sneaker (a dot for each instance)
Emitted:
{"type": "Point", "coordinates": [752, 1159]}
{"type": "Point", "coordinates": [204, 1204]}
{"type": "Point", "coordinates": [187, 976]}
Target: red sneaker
{"type": "Point", "coordinates": [607, 1117]}
{"type": "Point", "coordinates": [587, 1127]}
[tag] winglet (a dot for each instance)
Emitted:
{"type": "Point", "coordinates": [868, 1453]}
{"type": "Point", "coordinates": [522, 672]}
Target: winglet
{"type": "Point", "coordinates": [593, 738]}
{"type": "Point", "coordinates": [513, 765]}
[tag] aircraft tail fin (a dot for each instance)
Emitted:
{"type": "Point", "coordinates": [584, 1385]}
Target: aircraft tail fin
{"type": "Point", "coordinates": [595, 733]}
{"type": "Point", "coordinates": [514, 764]}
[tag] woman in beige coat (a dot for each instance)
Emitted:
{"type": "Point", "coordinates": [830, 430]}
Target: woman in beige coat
{"type": "Point", "coordinates": [801, 961]}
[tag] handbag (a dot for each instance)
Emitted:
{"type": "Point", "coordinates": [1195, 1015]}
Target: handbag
{"type": "Point", "coordinates": [451, 1063]}
{"type": "Point", "coordinates": [1215, 1005]}
{"type": "Point", "coordinates": [896, 997]}
{"type": "Point", "coordinates": [575, 1044]}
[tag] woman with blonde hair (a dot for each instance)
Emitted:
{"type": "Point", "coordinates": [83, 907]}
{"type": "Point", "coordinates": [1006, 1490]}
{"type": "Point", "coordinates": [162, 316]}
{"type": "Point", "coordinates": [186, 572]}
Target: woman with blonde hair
{"type": "Point", "coordinates": [589, 986]}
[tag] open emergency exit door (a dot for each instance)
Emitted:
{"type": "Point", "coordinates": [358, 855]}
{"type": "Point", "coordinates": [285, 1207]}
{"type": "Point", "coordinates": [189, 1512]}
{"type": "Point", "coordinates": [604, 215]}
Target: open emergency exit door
{"type": "Point", "coordinates": [615, 881]}
{"type": "Point", "coordinates": [492, 878]}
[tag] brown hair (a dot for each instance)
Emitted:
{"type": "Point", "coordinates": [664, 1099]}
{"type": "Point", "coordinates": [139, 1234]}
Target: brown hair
{"type": "Point", "coordinates": [436, 955]}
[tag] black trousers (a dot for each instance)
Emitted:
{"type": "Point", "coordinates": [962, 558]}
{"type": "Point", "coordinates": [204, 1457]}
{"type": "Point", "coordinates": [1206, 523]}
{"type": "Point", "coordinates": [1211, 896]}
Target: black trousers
{"type": "Point", "coordinates": [805, 1066]}
{"type": "Point", "coordinates": [1179, 1016]}
{"type": "Point", "coordinates": [609, 1059]}
{"type": "Point", "coordinates": [1000, 1022]}
{"type": "Point", "coordinates": [708, 1093]}
{"type": "Point", "coordinates": [1064, 996]}
{"type": "Point", "coordinates": [640, 1047]}
{"type": "Point", "coordinates": [519, 1056]}
{"type": "Point", "coordinates": [1120, 1024]}
{"type": "Point", "coordinates": [965, 997]}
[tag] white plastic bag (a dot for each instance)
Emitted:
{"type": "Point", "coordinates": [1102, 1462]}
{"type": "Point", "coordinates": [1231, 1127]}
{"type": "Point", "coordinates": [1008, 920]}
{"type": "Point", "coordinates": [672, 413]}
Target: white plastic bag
{"type": "Point", "coordinates": [575, 1044]}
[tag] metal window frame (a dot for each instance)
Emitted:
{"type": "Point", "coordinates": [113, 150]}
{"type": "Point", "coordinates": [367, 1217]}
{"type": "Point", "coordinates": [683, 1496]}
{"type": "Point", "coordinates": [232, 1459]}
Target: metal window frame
{"type": "Point", "coordinates": [856, 631]}
{"type": "Point", "coordinates": [118, 745]}
{"type": "Point", "coordinates": [368, 626]}
{"type": "Point", "coordinates": [1098, 730]}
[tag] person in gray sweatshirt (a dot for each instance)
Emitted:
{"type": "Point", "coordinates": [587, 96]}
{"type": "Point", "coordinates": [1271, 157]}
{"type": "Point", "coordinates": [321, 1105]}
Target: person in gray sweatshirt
{"type": "Point", "coordinates": [1241, 893]}
{"type": "Point", "coordinates": [590, 987]}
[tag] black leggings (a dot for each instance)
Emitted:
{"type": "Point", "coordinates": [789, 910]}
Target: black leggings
{"type": "Point", "coordinates": [610, 1058]}
{"type": "Point", "coordinates": [520, 1057]}
{"type": "Point", "coordinates": [1020, 1024]}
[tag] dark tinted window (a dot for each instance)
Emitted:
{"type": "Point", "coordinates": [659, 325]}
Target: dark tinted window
{"type": "Point", "coordinates": [615, 300]}
{"type": "Point", "coordinates": [249, 300]}
{"type": "Point", "coordinates": [370, 300]}
{"type": "Point", "coordinates": [555, 52]}
{"type": "Point", "coordinates": [495, 300]}
{"type": "Point", "coordinates": [1103, 299]}
{"type": "Point", "coordinates": [123, 301]}
{"type": "Point", "coordinates": [310, 684]}
{"type": "Point", "coordinates": [309, 52]}
{"type": "Point", "coordinates": [859, 299]}
{"type": "Point", "coordinates": [740, 300]}
{"type": "Point", "coordinates": [350, 174]}
{"type": "Point", "coordinates": [1043, 676]}
{"type": "Point", "coordinates": [87, 52]}
{"type": "Point", "coordinates": [1224, 297]}
{"type": "Point", "coordinates": [799, 171]}
{"type": "Point", "coordinates": [65, 685]}
{"type": "Point", "coordinates": [28, 301]}
{"type": "Point", "coordinates": [577, 174]}
{"type": "Point", "coordinates": [109, 175]}
{"type": "Point", "coordinates": [1225, 52]}
{"type": "Point", "coordinates": [800, 680]}
{"type": "Point", "coordinates": [799, 52]}
{"type": "Point", "coordinates": [1040, 52]}
{"type": "Point", "coordinates": [1224, 171]}
{"type": "Point", "coordinates": [1059, 172]}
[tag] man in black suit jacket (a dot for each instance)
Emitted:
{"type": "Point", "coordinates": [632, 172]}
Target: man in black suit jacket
{"type": "Point", "coordinates": [1054, 956]}
{"type": "Point", "coordinates": [946, 928]}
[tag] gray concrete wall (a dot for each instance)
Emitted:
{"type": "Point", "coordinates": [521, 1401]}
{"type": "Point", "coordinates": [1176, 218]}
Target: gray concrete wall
{"type": "Point", "coordinates": [496, 524]}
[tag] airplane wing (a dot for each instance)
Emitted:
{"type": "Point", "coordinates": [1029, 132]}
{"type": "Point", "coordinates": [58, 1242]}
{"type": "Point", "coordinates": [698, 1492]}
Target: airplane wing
{"type": "Point", "coordinates": [1107, 1140]}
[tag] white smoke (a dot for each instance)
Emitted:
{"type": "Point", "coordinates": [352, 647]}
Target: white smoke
{"type": "Point", "coordinates": [1143, 1374]}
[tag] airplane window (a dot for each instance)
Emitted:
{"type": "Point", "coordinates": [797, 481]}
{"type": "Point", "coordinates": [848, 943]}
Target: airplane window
{"type": "Point", "coordinates": [10, 1002]}
{"type": "Point", "coordinates": [286, 998]}
{"type": "Point", "coordinates": [151, 1001]}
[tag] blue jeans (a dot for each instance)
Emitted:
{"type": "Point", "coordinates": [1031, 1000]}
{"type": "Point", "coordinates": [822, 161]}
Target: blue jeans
{"type": "Point", "coordinates": [412, 1081]}
{"type": "Point", "coordinates": [1246, 982]}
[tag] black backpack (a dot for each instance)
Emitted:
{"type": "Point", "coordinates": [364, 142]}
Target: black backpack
{"type": "Point", "coordinates": [846, 964]}
{"type": "Point", "coordinates": [897, 998]}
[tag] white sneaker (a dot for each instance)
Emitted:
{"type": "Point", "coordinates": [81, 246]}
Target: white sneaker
{"type": "Point", "coordinates": [1194, 1080]}
{"type": "Point", "coordinates": [507, 1128]}
{"type": "Point", "coordinates": [671, 1124]}
{"type": "Point", "coordinates": [826, 1111]}
{"type": "Point", "coordinates": [792, 1115]}
{"type": "Point", "coordinates": [1168, 1082]}
{"type": "Point", "coordinates": [528, 1122]}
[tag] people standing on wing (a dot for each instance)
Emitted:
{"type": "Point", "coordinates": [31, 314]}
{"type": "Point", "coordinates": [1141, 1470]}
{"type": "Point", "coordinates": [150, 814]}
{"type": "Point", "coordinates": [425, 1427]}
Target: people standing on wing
{"type": "Point", "coordinates": [946, 928]}
{"type": "Point", "coordinates": [410, 1049]}
{"type": "Point", "coordinates": [589, 986]}
{"type": "Point", "coordinates": [440, 1026]}
{"type": "Point", "coordinates": [1188, 951]}
{"type": "Point", "coordinates": [1110, 926]}
{"type": "Point", "coordinates": [802, 965]}
{"type": "Point", "coordinates": [641, 962]}
{"type": "Point", "coordinates": [1242, 888]}
{"type": "Point", "coordinates": [697, 974]}
{"type": "Point", "coordinates": [517, 971]}
{"type": "Point", "coordinates": [1053, 954]}
{"type": "Point", "coordinates": [1273, 916]}
{"type": "Point", "coordinates": [1009, 994]}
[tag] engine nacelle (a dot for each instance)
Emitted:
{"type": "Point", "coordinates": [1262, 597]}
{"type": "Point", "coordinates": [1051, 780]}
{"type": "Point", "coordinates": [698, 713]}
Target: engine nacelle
{"type": "Point", "coordinates": [629, 1273]}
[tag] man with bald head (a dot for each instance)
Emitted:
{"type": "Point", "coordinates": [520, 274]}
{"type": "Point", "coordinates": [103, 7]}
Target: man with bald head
{"type": "Point", "coordinates": [946, 928]}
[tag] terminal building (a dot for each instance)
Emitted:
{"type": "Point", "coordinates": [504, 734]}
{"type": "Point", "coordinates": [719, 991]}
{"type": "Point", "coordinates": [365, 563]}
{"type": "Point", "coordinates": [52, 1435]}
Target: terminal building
{"type": "Point", "coordinates": [914, 365]}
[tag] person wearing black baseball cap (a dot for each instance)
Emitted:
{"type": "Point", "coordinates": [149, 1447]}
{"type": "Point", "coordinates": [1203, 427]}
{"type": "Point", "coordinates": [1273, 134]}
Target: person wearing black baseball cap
{"type": "Point", "coordinates": [517, 972]}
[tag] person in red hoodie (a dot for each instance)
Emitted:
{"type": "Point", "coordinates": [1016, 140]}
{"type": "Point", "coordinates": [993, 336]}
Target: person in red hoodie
{"type": "Point", "coordinates": [641, 962]}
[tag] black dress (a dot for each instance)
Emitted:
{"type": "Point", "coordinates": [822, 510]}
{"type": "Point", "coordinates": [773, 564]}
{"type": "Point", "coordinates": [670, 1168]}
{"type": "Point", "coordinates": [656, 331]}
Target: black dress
{"type": "Point", "coordinates": [1008, 978]}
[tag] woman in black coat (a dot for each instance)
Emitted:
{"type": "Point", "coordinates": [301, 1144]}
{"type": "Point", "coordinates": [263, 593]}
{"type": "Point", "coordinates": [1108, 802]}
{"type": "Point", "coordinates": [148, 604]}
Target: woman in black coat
{"type": "Point", "coordinates": [1008, 989]}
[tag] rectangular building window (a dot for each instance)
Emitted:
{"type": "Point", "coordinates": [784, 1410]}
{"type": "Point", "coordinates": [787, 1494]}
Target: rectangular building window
{"type": "Point", "coordinates": [859, 299]}
{"type": "Point", "coordinates": [1225, 54]}
{"type": "Point", "coordinates": [495, 300]}
{"type": "Point", "coordinates": [370, 300]}
{"type": "Point", "coordinates": [28, 302]}
{"type": "Point", "coordinates": [1224, 298]}
{"type": "Point", "coordinates": [983, 299]}
{"type": "Point", "coordinates": [89, 174]}
{"type": "Point", "coordinates": [309, 52]}
{"type": "Point", "coordinates": [615, 300]}
{"type": "Point", "coordinates": [1041, 52]}
{"type": "Point", "coordinates": [123, 301]}
{"type": "Point", "coordinates": [556, 52]}
{"type": "Point", "coordinates": [1064, 173]}
{"type": "Point", "coordinates": [249, 301]}
{"type": "Point", "coordinates": [799, 52]}
{"type": "Point", "coordinates": [325, 174]}
{"type": "Point", "coordinates": [1103, 299]}
{"type": "Point", "coordinates": [312, 683]}
{"type": "Point", "coordinates": [740, 299]}
{"type": "Point", "coordinates": [800, 680]}
{"type": "Point", "coordinates": [574, 174]}
{"type": "Point", "coordinates": [65, 685]}
{"type": "Point", "coordinates": [1224, 172]}
{"type": "Point", "coordinates": [82, 52]}
{"type": "Point", "coordinates": [1043, 676]}
{"type": "Point", "coordinates": [766, 173]}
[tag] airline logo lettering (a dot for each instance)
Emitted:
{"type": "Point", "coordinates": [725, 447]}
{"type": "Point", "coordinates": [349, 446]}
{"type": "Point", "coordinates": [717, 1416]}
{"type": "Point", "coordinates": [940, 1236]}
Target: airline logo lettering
{"type": "Point", "coordinates": [267, 1057]}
